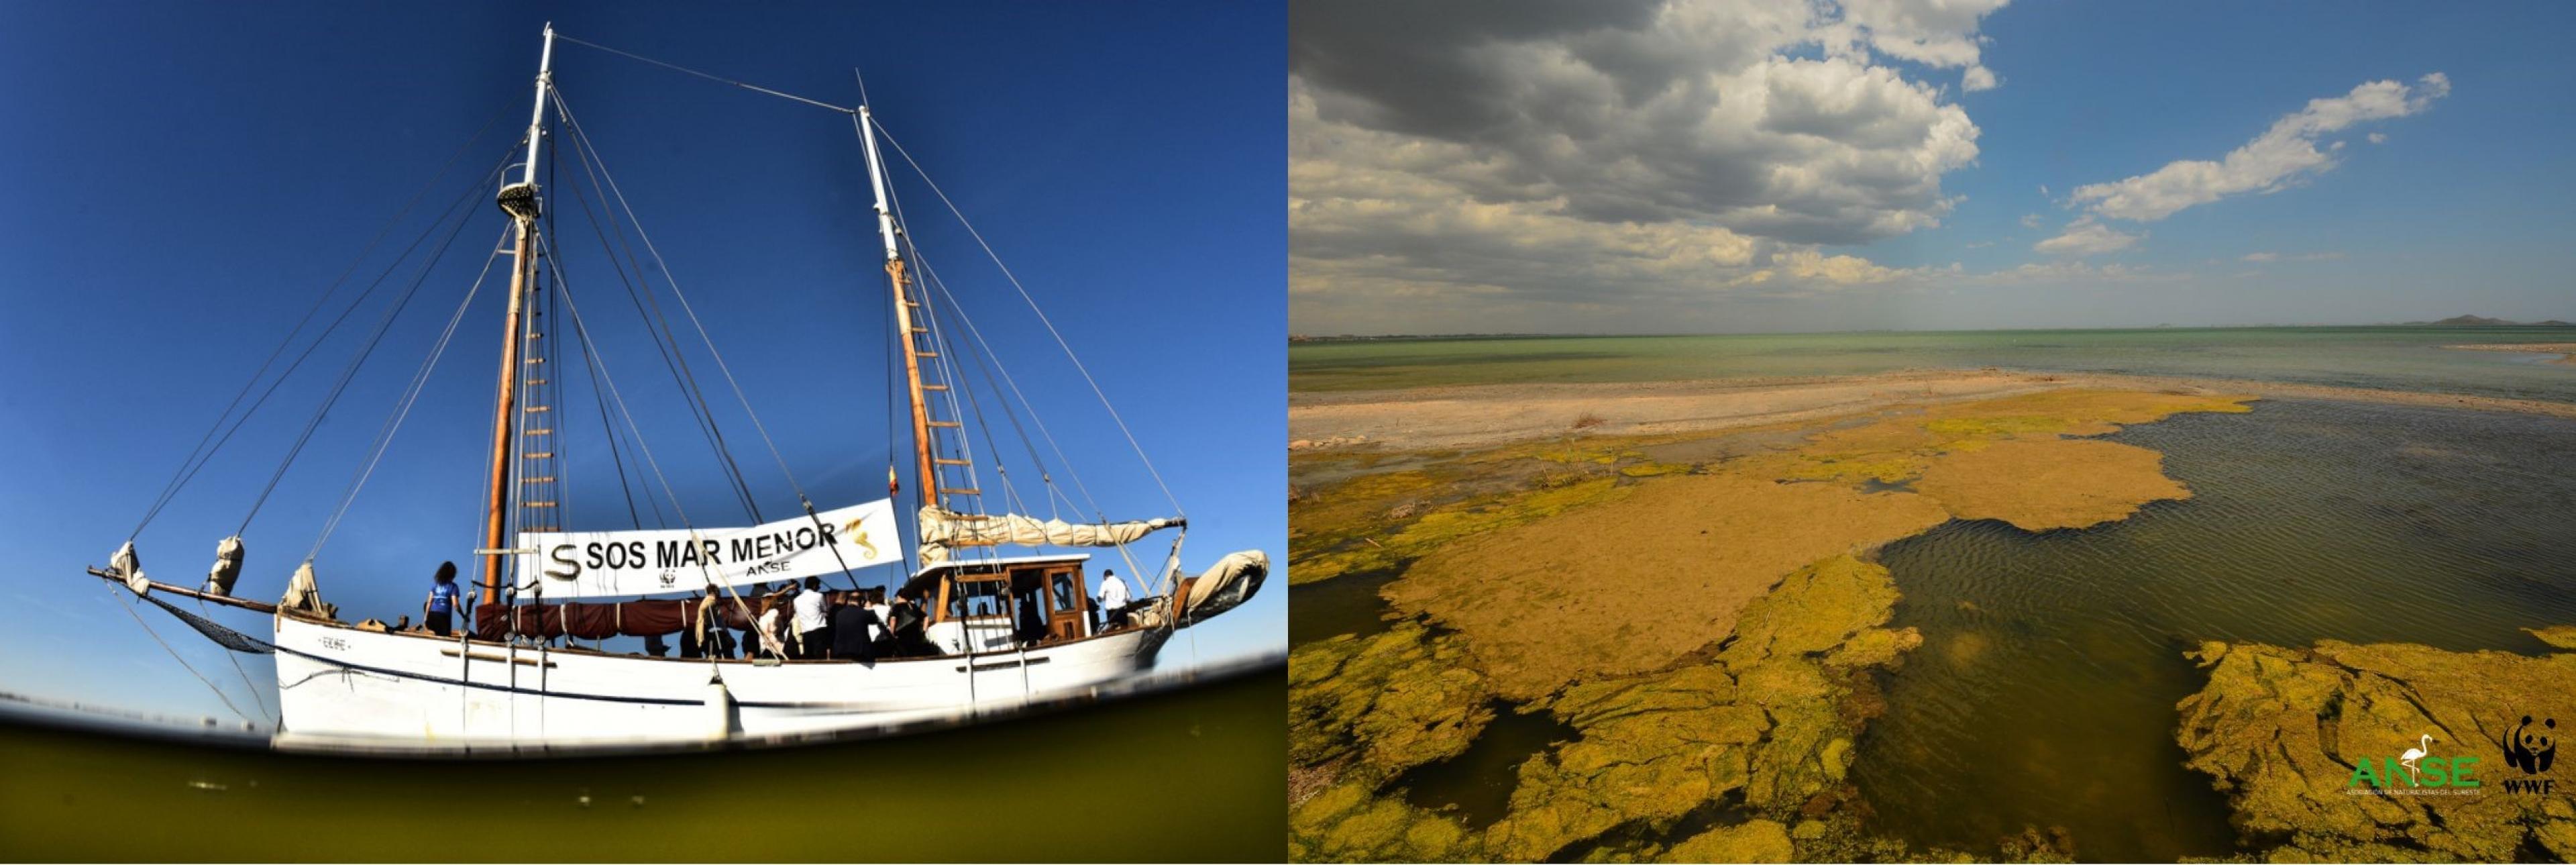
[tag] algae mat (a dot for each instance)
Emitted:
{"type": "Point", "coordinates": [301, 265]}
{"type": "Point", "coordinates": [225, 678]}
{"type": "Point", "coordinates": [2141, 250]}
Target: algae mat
{"type": "Point", "coordinates": [1706, 630]}
{"type": "Point", "coordinates": [2387, 752]}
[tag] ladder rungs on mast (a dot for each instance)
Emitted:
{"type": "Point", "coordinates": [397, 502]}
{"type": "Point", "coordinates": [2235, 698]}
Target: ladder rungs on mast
{"type": "Point", "coordinates": [543, 480]}
{"type": "Point", "coordinates": [934, 387]}
{"type": "Point", "coordinates": [539, 408]}
{"type": "Point", "coordinates": [947, 423]}
{"type": "Point", "coordinates": [949, 462]}
{"type": "Point", "coordinates": [539, 432]}
{"type": "Point", "coordinates": [539, 455]}
{"type": "Point", "coordinates": [536, 504]}
{"type": "Point", "coordinates": [970, 491]}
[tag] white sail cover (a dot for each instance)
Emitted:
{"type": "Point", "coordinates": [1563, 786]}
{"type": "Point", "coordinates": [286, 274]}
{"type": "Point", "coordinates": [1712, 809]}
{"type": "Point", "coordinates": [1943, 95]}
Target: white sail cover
{"type": "Point", "coordinates": [1226, 585]}
{"type": "Point", "coordinates": [943, 530]}
{"type": "Point", "coordinates": [626, 564]}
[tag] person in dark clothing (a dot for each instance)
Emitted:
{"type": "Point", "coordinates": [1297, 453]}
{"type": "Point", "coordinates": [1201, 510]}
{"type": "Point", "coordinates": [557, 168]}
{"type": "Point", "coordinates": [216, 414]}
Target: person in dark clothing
{"type": "Point", "coordinates": [443, 597]}
{"type": "Point", "coordinates": [909, 620]}
{"type": "Point", "coordinates": [854, 627]}
{"type": "Point", "coordinates": [654, 646]}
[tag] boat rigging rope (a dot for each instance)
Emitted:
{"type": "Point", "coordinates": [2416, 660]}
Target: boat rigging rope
{"type": "Point", "coordinates": [589, 154]}
{"type": "Point", "coordinates": [128, 607]}
{"type": "Point", "coordinates": [350, 372]}
{"type": "Point", "coordinates": [403, 405]}
{"type": "Point", "coordinates": [201, 453]}
{"type": "Point", "coordinates": [590, 351]}
{"type": "Point", "coordinates": [709, 76]}
{"type": "Point", "coordinates": [665, 341]}
{"type": "Point", "coordinates": [1042, 318]}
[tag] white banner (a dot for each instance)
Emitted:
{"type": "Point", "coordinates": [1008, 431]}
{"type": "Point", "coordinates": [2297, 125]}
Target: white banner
{"type": "Point", "coordinates": [606, 564]}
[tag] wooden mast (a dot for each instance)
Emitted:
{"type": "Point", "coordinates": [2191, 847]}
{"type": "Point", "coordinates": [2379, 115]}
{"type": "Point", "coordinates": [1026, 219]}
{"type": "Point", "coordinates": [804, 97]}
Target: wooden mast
{"type": "Point", "coordinates": [520, 201]}
{"type": "Point", "coordinates": [925, 460]}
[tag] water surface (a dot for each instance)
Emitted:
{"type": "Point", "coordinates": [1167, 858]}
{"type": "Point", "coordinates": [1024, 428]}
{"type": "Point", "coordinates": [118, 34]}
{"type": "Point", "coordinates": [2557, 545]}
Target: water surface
{"type": "Point", "coordinates": [2044, 692]}
{"type": "Point", "coordinates": [1191, 775]}
{"type": "Point", "coordinates": [2393, 358]}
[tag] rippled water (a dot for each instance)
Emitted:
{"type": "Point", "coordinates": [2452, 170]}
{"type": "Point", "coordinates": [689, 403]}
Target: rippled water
{"type": "Point", "coordinates": [2044, 691]}
{"type": "Point", "coordinates": [2397, 358]}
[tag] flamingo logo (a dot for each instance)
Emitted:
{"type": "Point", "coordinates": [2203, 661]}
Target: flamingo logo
{"type": "Point", "coordinates": [2415, 767]}
{"type": "Point", "coordinates": [2414, 754]}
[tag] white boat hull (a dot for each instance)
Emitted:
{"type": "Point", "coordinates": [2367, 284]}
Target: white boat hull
{"type": "Point", "coordinates": [340, 687]}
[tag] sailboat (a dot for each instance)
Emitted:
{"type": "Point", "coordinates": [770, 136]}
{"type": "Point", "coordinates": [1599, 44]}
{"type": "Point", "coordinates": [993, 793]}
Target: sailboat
{"type": "Point", "coordinates": [996, 633]}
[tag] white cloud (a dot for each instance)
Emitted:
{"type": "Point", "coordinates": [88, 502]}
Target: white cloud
{"type": "Point", "coordinates": [2259, 257]}
{"type": "Point", "coordinates": [2030, 220]}
{"type": "Point", "coordinates": [2378, 137]}
{"type": "Point", "coordinates": [2083, 237]}
{"type": "Point", "coordinates": [1619, 153]}
{"type": "Point", "coordinates": [2283, 154]}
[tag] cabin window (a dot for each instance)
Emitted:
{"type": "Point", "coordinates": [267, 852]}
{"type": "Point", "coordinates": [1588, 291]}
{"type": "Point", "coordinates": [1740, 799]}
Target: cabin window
{"type": "Point", "coordinates": [1064, 593]}
{"type": "Point", "coordinates": [975, 598]}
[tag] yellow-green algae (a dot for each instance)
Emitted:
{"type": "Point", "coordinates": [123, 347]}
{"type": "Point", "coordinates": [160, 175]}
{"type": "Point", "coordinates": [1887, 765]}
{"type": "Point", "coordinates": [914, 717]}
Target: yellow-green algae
{"type": "Point", "coordinates": [1770, 721]}
{"type": "Point", "coordinates": [1764, 722]}
{"type": "Point", "coordinates": [1375, 706]}
{"type": "Point", "coordinates": [1331, 553]}
{"type": "Point", "coordinates": [1347, 823]}
{"type": "Point", "coordinates": [2281, 730]}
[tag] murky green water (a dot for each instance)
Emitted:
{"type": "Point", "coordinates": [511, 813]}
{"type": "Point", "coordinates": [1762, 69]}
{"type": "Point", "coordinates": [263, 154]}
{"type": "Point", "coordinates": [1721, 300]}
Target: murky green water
{"type": "Point", "coordinates": [2399, 358]}
{"type": "Point", "coordinates": [2043, 694]}
{"type": "Point", "coordinates": [1193, 775]}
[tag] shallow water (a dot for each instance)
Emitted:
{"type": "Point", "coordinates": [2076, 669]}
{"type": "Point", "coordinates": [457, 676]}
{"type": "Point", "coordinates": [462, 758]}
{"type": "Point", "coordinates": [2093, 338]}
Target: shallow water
{"type": "Point", "coordinates": [2044, 692]}
{"type": "Point", "coordinates": [2398, 358]}
{"type": "Point", "coordinates": [1191, 775]}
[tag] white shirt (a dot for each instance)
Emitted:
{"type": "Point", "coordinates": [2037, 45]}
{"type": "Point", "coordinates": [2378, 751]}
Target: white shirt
{"type": "Point", "coordinates": [884, 614]}
{"type": "Point", "coordinates": [1113, 592]}
{"type": "Point", "coordinates": [809, 611]}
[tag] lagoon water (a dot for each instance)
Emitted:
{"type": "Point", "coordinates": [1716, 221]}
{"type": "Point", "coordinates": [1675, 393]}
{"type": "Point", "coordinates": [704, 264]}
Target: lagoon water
{"type": "Point", "coordinates": [2044, 693]}
{"type": "Point", "coordinates": [2396, 358]}
{"type": "Point", "coordinates": [1186, 775]}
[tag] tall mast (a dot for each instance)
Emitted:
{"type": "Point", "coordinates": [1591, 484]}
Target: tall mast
{"type": "Point", "coordinates": [520, 201]}
{"type": "Point", "coordinates": [926, 462]}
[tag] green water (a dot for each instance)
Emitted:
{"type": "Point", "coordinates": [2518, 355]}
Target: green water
{"type": "Point", "coordinates": [1192, 775]}
{"type": "Point", "coordinates": [2044, 692]}
{"type": "Point", "coordinates": [2401, 358]}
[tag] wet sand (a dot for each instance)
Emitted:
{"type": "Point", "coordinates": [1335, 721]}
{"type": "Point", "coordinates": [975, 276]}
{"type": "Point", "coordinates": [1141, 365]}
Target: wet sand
{"type": "Point", "coordinates": [1478, 416]}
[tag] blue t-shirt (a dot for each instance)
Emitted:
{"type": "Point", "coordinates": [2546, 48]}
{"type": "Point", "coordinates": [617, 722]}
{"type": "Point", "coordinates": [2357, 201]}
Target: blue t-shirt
{"type": "Point", "coordinates": [442, 597]}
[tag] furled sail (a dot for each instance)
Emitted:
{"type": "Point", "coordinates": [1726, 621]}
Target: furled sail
{"type": "Point", "coordinates": [1224, 586]}
{"type": "Point", "coordinates": [227, 568]}
{"type": "Point", "coordinates": [565, 565]}
{"type": "Point", "coordinates": [943, 531]}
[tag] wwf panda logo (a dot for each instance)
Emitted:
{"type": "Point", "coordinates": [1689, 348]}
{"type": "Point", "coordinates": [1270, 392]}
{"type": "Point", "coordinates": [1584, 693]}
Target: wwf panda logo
{"type": "Point", "coordinates": [2531, 749]}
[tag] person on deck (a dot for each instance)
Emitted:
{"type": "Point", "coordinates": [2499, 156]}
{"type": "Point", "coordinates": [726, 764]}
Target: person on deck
{"type": "Point", "coordinates": [443, 595]}
{"type": "Point", "coordinates": [772, 629]}
{"type": "Point", "coordinates": [907, 626]}
{"type": "Point", "coordinates": [813, 621]}
{"type": "Point", "coordinates": [883, 634]}
{"type": "Point", "coordinates": [853, 628]}
{"type": "Point", "coordinates": [1113, 599]}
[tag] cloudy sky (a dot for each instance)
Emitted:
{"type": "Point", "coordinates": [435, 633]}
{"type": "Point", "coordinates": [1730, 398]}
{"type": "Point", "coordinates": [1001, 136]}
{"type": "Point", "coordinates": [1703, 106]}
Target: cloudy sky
{"type": "Point", "coordinates": [1659, 166]}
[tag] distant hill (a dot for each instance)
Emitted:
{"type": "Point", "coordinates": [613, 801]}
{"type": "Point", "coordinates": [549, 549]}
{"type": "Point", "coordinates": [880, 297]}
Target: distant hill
{"type": "Point", "coordinates": [2483, 321]}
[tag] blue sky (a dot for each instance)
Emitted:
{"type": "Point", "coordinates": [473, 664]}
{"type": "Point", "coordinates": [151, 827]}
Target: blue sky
{"type": "Point", "coordinates": [186, 179]}
{"type": "Point", "coordinates": [1725, 166]}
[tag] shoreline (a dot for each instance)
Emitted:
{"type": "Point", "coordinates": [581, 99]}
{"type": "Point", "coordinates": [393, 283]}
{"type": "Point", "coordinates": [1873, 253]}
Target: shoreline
{"type": "Point", "coordinates": [1477, 416]}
